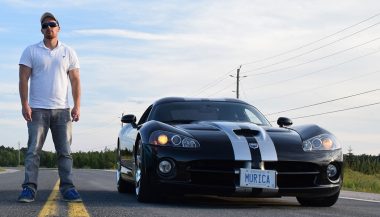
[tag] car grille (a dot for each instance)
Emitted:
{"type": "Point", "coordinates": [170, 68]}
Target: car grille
{"type": "Point", "coordinates": [216, 173]}
{"type": "Point", "coordinates": [225, 173]}
{"type": "Point", "coordinates": [295, 174]}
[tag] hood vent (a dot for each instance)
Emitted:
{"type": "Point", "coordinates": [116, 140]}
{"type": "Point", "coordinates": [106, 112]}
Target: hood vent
{"type": "Point", "coordinates": [246, 132]}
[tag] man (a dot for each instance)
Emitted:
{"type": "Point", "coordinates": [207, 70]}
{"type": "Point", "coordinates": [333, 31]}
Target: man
{"type": "Point", "coordinates": [50, 65]}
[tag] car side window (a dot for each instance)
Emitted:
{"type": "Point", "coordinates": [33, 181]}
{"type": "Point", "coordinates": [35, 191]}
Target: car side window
{"type": "Point", "coordinates": [145, 115]}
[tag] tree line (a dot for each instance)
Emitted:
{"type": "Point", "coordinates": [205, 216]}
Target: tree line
{"type": "Point", "coordinates": [367, 164]}
{"type": "Point", "coordinates": [106, 159]}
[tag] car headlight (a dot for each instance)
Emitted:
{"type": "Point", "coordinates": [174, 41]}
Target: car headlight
{"type": "Point", "coordinates": [165, 138]}
{"type": "Point", "coordinates": [321, 142]}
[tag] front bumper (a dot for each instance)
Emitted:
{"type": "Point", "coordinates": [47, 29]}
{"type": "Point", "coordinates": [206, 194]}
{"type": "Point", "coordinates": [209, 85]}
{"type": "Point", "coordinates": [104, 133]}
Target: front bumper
{"type": "Point", "coordinates": [192, 175]}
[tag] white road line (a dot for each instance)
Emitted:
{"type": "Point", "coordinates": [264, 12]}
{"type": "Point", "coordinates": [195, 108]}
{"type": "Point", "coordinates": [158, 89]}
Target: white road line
{"type": "Point", "coordinates": [9, 171]}
{"type": "Point", "coordinates": [351, 198]}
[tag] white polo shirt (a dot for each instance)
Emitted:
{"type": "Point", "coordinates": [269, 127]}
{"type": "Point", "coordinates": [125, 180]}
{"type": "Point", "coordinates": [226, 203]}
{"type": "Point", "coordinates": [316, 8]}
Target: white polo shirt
{"type": "Point", "coordinates": [49, 81]}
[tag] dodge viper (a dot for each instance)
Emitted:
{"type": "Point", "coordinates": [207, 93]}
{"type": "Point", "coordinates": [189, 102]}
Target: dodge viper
{"type": "Point", "coordinates": [225, 147]}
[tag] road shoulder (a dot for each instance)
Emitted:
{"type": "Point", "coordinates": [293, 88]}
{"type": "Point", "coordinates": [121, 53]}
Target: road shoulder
{"type": "Point", "coordinates": [360, 195]}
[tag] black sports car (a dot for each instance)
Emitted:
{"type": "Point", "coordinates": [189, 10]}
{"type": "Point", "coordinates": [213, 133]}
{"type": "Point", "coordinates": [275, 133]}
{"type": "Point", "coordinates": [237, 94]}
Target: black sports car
{"type": "Point", "coordinates": [225, 147]}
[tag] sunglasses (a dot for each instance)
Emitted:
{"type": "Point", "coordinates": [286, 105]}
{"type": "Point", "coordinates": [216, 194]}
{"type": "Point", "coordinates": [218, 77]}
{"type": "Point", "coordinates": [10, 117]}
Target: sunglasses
{"type": "Point", "coordinates": [49, 24]}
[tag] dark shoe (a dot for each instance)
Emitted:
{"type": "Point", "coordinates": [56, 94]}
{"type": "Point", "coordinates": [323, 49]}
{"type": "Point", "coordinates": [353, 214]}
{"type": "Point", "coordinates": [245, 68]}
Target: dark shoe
{"type": "Point", "coordinates": [27, 195]}
{"type": "Point", "coordinates": [72, 195]}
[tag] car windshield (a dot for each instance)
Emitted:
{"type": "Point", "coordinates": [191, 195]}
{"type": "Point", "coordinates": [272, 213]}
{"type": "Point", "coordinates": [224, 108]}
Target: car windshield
{"type": "Point", "coordinates": [189, 111]}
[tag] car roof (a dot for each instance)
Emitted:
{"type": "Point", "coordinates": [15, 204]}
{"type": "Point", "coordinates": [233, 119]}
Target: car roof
{"type": "Point", "coordinates": [189, 99]}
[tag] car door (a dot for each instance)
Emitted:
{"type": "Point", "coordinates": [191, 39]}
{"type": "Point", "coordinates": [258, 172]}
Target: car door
{"type": "Point", "coordinates": [127, 141]}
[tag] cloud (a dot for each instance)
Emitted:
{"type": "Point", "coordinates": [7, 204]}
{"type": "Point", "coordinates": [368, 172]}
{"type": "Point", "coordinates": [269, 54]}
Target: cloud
{"type": "Point", "coordinates": [134, 52]}
{"type": "Point", "coordinates": [122, 33]}
{"type": "Point", "coordinates": [39, 4]}
{"type": "Point", "coordinates": [145, 36]}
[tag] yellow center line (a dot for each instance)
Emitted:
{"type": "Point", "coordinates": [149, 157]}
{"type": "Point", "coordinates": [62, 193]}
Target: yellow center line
{"type": "Point", "coordinates": [50, 208]}
{"type": "Point", "coordinates": [77, 210]}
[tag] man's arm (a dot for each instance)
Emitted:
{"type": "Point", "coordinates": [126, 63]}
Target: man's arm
{"type": "Point", "coordinates": [24, 75]}
{"type": "Point", "coordinates": [76, 91]}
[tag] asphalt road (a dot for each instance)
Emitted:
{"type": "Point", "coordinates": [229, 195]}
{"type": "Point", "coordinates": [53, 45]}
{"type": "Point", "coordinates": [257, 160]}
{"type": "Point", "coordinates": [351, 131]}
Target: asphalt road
{"type": "Point", "coordinates": [100, 198]}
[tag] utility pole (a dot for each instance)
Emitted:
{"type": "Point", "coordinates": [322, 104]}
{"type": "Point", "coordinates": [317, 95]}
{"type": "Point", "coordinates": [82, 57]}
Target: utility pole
{"type": "Point", "coordinates": [237, 81]}
{"type": "Point", "coordinates": [122, 114]}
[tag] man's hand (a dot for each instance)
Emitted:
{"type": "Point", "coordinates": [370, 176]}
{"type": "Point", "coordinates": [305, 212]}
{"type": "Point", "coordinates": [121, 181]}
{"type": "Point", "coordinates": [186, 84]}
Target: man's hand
{"type": "Point", "coordinates": [75, 113]}
{"type": "Point", "coordinates": [27, 113]}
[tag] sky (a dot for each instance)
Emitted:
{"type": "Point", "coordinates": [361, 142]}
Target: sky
{"type": "Point", "coordinates": [316, 61]}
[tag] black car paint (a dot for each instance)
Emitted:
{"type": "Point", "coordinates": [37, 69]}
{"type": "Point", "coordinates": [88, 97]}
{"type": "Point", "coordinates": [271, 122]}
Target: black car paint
{"type": "Point", "coordinates": [287, 141]}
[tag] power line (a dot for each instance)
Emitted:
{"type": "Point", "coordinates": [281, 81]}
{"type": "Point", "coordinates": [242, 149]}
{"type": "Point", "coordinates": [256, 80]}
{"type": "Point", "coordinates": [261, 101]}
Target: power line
{"type": "Point", "coordinates": [324, 102]}
{"type": "Point", "coordinates": [313, 42]}
{"type": "Point", "coordinates": [213, 83]}
{"type": "Point", "coordinates": [313, 60]}
{"type": "Point", "coordinates": [335, 111]}
{"type": "Point", "coordinates": [225, 88]}
{"type": "Point", "coordinates": [315, 49]}
{"type": "Point", "coordinates": [243, 91]}
{"type": "Point", "coordinates": [219, 80]}
{"type": "Point", "coordinates": [319, 87]}
{"type": "Point", "coordinates": [320, 70]}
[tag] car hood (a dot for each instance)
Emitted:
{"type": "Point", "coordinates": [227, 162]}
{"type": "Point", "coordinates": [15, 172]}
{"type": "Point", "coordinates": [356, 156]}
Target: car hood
{"type": "Point", "coordinates": [245, 129]}
{"type": "Point", "coordinates": [273, 143]}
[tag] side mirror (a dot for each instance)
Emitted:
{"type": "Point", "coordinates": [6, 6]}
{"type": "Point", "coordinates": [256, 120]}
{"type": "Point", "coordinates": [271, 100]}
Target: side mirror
{"type": "Point", "coordinates": [129, 119]}
{"type": "Point", "coordinates": [283, 121]}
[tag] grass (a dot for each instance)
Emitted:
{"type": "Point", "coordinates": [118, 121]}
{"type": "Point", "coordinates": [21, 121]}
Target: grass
{"type": "Point", "coordinates": [356, 181]}
{"type": "Point", "coordinates": [1, 169]}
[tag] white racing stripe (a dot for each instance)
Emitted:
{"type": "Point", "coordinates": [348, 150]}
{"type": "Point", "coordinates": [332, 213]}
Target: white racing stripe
{"type": "Point", "coordinates": [267, 150]}
{"type": "Point", "coordinates": [240, 144]}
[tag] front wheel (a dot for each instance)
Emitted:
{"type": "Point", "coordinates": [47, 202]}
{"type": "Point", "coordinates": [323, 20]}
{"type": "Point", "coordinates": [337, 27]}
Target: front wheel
{"type": "Point", "coordinates": [319, 201]}
{"type": "Point", "coordinates": [144, 192]}
{"type": "Point", "coordinates": [122, 185]}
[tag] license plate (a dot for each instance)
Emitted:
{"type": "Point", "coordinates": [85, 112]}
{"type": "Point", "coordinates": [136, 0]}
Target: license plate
{"type": "Point", "coordinates": [257, 178]}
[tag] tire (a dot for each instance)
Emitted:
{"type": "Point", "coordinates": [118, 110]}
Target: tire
{"type": "Point", "coordinates": [122, 185]}
{"type": "Point", "coordinates": [144, 191]}
{"type": "Point", "coordinates": [319, 201]}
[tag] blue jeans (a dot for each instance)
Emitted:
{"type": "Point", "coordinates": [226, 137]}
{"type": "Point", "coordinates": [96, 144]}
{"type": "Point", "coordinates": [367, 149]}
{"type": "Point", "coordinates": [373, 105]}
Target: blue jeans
{"type": "Point", "coordinates": [59, 122]}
